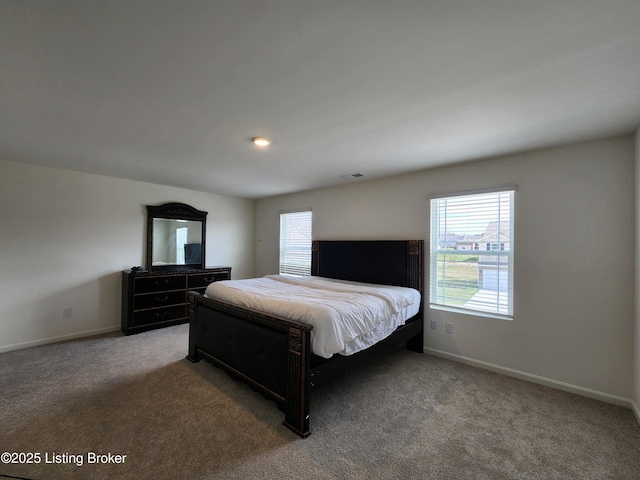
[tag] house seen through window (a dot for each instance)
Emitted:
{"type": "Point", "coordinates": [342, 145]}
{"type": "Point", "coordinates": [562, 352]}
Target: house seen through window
{"type": "Point", "coordinates": [295, 243]}
{"type": "Point", "coordinates": [471, 253]}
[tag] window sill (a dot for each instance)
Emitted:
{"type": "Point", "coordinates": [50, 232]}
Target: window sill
{"type": "Point", "coordinates": [475, 313]}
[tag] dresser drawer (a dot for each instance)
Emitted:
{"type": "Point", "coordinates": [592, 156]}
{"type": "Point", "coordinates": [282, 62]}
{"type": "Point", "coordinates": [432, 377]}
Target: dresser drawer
{"type": "Point", "coordinates": [203, 279]}
{"type": "Point", "coordinates": [158, 299]}
{"type": "Point", "coordinates": [158, 284]}
{"type": "Point", "coordinates": [146, 317]}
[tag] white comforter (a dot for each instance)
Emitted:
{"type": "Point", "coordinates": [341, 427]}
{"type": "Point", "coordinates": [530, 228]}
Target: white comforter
{"type": "Point", "coordinates": [346, 316]}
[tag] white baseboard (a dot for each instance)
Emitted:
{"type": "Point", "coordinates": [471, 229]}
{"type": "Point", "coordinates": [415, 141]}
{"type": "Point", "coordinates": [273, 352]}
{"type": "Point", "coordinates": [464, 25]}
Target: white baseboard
{"type": "Point", "coordinates": [60, 338]}
{"type": "Point", "coordinates": [585, 392]}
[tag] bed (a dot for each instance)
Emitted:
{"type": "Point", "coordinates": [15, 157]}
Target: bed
{"type": "Point", "coordinates": [273, 352]}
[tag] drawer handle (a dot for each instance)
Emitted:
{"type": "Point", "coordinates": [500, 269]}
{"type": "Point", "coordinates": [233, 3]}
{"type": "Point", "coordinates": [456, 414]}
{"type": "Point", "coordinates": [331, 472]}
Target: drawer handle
{"type": "Point", "coordinates": [161, 314]}
{"type": "Point", "coordinates": [162, 282]}
{"type": "Point", "coordinates": [161, 299]}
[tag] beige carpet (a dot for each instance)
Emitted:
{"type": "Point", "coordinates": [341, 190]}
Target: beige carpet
{"type": "Point", "coordinates": [405, 416]}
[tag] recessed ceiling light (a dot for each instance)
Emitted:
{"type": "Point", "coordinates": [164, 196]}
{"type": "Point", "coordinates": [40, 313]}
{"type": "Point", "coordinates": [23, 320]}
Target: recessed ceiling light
{"type": "Point", "coordinates": [261, 141]}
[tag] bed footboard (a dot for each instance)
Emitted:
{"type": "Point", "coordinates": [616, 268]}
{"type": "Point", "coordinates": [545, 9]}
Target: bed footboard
{"type": "Point", "coordinates": [270, 354]}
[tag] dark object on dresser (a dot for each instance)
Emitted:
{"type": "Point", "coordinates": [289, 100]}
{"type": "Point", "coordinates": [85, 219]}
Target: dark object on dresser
{"type": "Point", "coordinates": [273, 355]}
{"type": "Point", "coordinates": [192, 253]}
{"type": "Point", "coordinates": [159, 299]}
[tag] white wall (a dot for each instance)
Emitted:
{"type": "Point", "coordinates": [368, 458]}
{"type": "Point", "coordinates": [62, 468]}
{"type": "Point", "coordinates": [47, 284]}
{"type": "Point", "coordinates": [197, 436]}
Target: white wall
{"type": "Point", "coordinates": [66, 236]}
{"type": "Point", "coordinates": [574, 247]}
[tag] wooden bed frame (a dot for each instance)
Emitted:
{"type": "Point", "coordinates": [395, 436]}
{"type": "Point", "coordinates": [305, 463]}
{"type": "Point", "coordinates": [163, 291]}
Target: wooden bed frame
{"type": "Point", "coordinates": [273, 355]}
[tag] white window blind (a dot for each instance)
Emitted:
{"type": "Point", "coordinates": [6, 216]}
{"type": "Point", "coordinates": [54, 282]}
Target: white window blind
{"type": "Point", "coordinates": [295, 243]}
{"type": "Point", "coordinates": [471, 253]}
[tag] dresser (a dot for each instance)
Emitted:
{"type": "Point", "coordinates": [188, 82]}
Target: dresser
{"type": "Point", "coordinates": [153, 299]}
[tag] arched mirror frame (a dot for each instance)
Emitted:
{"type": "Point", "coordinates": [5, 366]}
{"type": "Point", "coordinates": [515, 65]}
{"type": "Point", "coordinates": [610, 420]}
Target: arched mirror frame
{"type": "Point", "coordinates": [175, 211]}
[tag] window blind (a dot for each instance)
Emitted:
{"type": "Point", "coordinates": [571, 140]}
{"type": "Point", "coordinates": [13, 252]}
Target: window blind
{"type": "Point", "coordinates": [471, 253]}
{"type": "Point", "coordinates": [295, 243]}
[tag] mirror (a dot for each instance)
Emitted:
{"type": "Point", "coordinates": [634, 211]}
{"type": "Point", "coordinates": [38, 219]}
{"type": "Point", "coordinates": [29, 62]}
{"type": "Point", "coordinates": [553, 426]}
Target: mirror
{"type": "Point", "coordinates": [175, 237]}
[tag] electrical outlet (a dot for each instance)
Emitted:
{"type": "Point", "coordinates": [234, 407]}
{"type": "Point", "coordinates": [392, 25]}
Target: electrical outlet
{"type": "Point", "coordinates": [434, 324]}
{"type": "Point", "coordinates": [449, 327]}
{"type": "Point", "coordinates": [66, 312]}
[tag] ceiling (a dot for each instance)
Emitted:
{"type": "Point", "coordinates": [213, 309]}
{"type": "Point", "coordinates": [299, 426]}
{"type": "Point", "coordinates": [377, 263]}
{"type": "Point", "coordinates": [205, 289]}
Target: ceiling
{"type": "Point", "coordinates": [170, 92]}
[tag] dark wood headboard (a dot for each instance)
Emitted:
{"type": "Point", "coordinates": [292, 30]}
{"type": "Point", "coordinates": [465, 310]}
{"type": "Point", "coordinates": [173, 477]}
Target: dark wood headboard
{"type": "Point", "coordinates": [386, 262]}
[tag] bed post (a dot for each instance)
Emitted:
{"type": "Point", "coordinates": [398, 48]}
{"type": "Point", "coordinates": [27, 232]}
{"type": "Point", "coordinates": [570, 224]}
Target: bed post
{"type": "Point", "coordinates": [415, 277]}
{"type": "Point", "coordinates": [193, 354]}
{"type": "Point", "coordinates": [314, 257]}
{"type": "Point", "coordinates": [298, 370]}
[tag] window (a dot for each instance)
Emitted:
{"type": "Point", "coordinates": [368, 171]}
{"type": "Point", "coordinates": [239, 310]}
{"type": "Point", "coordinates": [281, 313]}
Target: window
{"type": "Point", "coordinates": [472, 252]}
{"type": "Point", "coordinates": [295, 243]}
